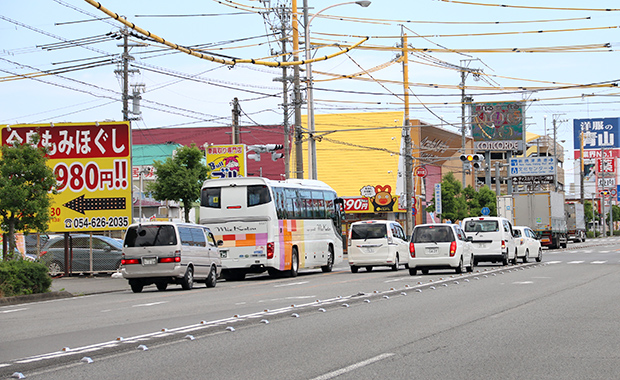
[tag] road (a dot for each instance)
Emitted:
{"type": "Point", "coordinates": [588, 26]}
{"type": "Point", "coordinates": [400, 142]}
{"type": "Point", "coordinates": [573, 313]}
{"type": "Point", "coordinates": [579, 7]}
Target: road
{"type": "Point", "coordinates": [555, 320]}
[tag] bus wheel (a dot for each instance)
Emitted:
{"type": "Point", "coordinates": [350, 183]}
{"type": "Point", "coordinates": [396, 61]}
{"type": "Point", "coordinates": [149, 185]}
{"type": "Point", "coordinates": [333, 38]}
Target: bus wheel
{"type": "Point", "coordinates": [294, 264]}
{"type": "Point", "coordinates": [330, 261]}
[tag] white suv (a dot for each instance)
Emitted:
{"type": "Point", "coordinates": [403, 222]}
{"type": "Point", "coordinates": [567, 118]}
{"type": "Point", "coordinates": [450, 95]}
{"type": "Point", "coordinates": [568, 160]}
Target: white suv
{"type": "Point", "coordinates": [492, 238]}
{"type": "Point", "coordinates": [377, 243]}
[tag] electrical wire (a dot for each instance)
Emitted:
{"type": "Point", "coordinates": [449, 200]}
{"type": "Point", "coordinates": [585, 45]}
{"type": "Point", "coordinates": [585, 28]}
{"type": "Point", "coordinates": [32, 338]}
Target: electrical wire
{"type": "Point", "coordinates": [211, 57]}
{"type": "Point", "coordinates": [533, 7]}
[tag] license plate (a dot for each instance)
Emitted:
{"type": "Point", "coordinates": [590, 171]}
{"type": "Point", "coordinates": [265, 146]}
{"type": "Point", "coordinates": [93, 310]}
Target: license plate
{"type": "Point", "coordinates": [149, 260]}
{"type": "Point", "coordinates": [369, 250]}
{"type": "Point", "coordinates": [482, 245]}
{"type": "Point", "coordinates": [432, 251]}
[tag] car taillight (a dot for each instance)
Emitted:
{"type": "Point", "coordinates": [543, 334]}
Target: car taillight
{"type": "Point", "coordinates": [349, 237]}
{"type": "Point", "coordinates": [175, 259]}
{"type": "Point", "coordinates": [270, 250]}
{"type": "Point", "coordinates": [412, 250]}
{"type": "Point", "coordinates": [390, 241]}
{"type": "Point", "coordinates": [130, 261]}
{"type": "Point", "coordinates": [452, 248]}
{"type": "Point", "coordinates": [503, 244]}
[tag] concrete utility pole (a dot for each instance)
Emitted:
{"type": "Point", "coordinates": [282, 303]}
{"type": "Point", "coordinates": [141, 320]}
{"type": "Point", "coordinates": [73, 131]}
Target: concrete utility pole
{"type": "Point", "coordinates": [287, 143]}
{"type": "Point", "coordinates": [235, 121]}
{"type": "Point", "coordinates": [299, 159]}
{"type": "Point", "coordinates": [407, 140]}
{"type": "Point", "coordinates": [602, 193]}
{"type": "Point", "coordinates": [581, 181]}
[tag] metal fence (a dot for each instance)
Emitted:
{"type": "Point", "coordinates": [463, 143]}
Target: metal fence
{"type": "Point", "coordinates": [81, 253]}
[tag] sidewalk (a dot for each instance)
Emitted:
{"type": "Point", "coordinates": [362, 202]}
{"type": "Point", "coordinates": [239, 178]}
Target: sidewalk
{"type": "Point", "coordinates": [84, 285]}
{"type": "Point", "coordinates": [66, 287]}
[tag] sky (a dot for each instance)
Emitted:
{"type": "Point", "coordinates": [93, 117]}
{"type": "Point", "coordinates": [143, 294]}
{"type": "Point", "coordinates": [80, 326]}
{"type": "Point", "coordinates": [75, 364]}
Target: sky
{"type": "Point", "coordinates": [549, 56]}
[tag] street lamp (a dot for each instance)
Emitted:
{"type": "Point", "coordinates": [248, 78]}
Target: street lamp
{"type": "Point", "coordinates": [312, 172]}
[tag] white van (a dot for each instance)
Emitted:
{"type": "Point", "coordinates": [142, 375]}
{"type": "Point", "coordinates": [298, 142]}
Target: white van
{"type": "Point", "coordinates": [377, 243]}
{"type": "Point", "coordinates": [163, 253]}
{"type": "Point", "coordinates": [492, 238]}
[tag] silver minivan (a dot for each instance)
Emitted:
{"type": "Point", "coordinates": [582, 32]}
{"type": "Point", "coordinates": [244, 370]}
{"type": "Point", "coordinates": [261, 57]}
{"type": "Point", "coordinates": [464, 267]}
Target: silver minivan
{"type": "Point", "coordinates": [163, 253]}
{"type": "Point", "coordinates": [377, 243]}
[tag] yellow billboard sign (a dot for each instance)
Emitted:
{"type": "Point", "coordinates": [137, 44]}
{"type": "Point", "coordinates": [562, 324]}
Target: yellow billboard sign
{"type": "Point", "coordinates": [226, 161]}
{"type": "Point", "coordinates": [92, 164]}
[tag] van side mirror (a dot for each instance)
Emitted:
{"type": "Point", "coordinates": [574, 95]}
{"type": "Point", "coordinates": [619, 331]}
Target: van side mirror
{"type": "Point", "coordinates": [469, 238]}
{"type": "Point", "coordinates": [220, 243]}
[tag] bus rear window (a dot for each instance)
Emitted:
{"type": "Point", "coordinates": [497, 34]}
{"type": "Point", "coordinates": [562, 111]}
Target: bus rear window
{"type": "Point", "coordinates": [210, 197]}
{"type": "Point", "coordinates": [258, 195]}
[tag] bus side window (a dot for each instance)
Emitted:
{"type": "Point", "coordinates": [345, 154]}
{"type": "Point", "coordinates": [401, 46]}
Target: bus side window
{"type": "Point", "coordinates": [305, 202]}
{"type": "Point", "coordinates": [278, 195]}
{"type": "Point", "coordinates": [318, 204]}
{"type": "Point", "coordinates": [258, 195]}
{"type": "Point", "coordinates": [291, 204]}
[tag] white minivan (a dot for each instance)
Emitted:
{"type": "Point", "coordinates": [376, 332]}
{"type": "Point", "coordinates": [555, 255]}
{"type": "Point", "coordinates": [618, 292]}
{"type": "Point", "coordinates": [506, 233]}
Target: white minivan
{"type": "Point", "coordinates": [163, 253]}
{"type": "Point", "coordinates": [377, 243]}
{"type": "Point", "coordinates": [493, 239]}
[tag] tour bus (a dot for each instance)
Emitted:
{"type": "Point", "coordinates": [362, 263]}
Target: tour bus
{"type": "Point", "coordinates": [278, 226]}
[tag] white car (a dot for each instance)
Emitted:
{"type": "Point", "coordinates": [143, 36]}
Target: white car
{"type": "Point", "coordinates": [528, 244]}
{"type": "Point", "coordinates": [492, 238]}
{"type": "Point", "coordinates": [377, 243]}
{"type": "Point", "coordinates": [440, 246]}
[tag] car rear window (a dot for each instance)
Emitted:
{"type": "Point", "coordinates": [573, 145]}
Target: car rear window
{"type": "Point", "coordinates": [149, 236]}
{"type": "Point", "coordinates": [482, 226]}
{"type": "Point", "coordinates": [432, 234]}
{"type": "Point", "coordinates": [368, 231]}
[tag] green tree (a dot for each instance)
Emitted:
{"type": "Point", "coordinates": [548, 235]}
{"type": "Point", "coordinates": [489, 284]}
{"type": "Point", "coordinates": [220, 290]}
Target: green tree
{"type": "Point", "coordinates": [180, 177]}
{"type": "Point", "coordinates": [590, 213]}
{"type": "Point", "coordinates": [26, 186]}
{"type": "Point", "coordinates": [458, 203]}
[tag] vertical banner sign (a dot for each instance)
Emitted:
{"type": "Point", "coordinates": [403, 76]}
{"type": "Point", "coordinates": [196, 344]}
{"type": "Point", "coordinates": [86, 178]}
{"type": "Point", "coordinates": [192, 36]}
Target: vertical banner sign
{"type": "Point", "coordinates": [438, 209]}
{"type": "Point", "coordinates": [226, 161]}
{"type": "Point", "coordinates": [92, 164]}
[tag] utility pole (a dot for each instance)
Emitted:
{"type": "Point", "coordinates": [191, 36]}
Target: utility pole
{"type": "Point", "coordinates": [125, 74]}
{"type": "Point", "coordinates": [602, 192]}
{"type": "Point", "coordinates": [581, 181]}
{"type": "Point", "coordinates": [236, 111]}
{"type": "Point", "coordinates": [464, 101]}
{"type": "Point", "coordinates": [287, 148]}
{"type": "Point", "coordinates": [299, 159]}
{"type": "Point", "coordinates": [407, 140]}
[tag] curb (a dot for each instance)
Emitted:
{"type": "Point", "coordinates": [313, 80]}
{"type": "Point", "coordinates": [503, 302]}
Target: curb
{"type": "Point", "coordinates": [15, 300]}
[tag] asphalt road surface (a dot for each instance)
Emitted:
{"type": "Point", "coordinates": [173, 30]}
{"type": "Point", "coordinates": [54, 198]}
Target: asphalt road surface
{"type": "Point", "coordinates": [554, 320]}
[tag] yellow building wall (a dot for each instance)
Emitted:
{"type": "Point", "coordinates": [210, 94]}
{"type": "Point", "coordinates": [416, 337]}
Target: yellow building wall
{"type": "Point", "coordinates": [357, 149]}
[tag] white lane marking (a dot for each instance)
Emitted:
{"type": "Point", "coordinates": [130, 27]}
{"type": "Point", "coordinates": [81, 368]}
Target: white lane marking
{"type": "Point", "coordinates": [353, 367]}
{"type": "Point", "coordinates": [599, 262]}
{"type": "Point", "coordinates": [291, 284]}
{"type": "Point", "coordinates": [149, 304]}
{"type": "Point", "coordinates": [4, 365]}
{"type": "Point", "coordinates": [575, 262]}
{"type": "Point", "coordinates": [523, 282]}
{"type": "Point", "coordinates": [552, 262]}
{"type": "Point", "coordinates": [12, 310]}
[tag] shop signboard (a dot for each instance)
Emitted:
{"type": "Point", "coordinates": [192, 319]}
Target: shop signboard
{"type": "Point", "coordinates": [498, 126]}
{"type": "Point", "coordinates": [92, 164]}
{"type": "Point", "coordinates": [226, 161]}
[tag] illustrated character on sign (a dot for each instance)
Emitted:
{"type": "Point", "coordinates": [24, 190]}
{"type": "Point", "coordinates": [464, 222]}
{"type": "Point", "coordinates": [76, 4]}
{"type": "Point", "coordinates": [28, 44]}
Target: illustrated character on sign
{"type": "Point", "coordinates": [383, 200]}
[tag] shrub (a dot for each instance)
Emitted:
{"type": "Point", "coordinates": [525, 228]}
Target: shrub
{"type": "Point", "coordinates": [20, 277]}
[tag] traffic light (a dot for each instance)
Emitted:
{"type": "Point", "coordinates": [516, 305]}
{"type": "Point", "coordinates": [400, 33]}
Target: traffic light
{"type": "Point", "coordinates": [475, 160]}
{"type": "Point", "coordinates": [275, 156]}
